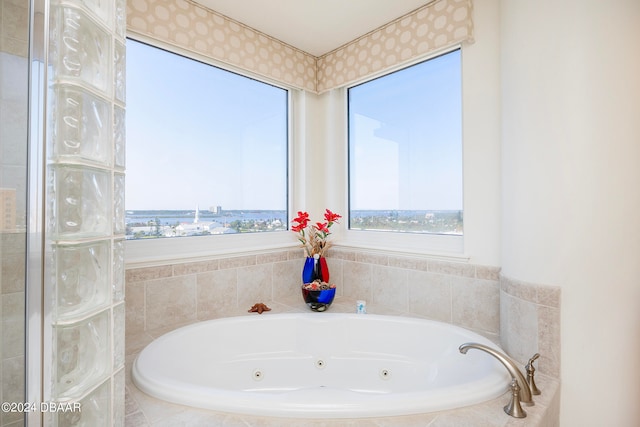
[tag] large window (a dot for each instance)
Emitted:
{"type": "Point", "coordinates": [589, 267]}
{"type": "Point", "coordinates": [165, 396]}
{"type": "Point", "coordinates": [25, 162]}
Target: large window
{"type": "Point", "coordinates": [206, 148]}
{"type": "Point", "coordinates": [405, 150]}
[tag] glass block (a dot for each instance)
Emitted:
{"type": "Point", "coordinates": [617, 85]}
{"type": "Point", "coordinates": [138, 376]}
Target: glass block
{"type": "Point", "coordinates": [95, 410]}
{"type": "Point", "coordinates": [119, 137]}
{"type": "Point", "coordinates": [118, 204]}
{"type": "Point", "coordinates": [81, 206]}
{"type": "Point", "coordinates": [120, 12]}
{"type": "Point", "coordinates": [118, 271]}
{"type": "Point", "coordinates": [119, 75]}
{"type": "Point", "coordinates": [101, 9]}
{"type": "Point", "coordinates": [83, 355]}
{"type": "Point", "coordinates": [118, 336]}
{"type": "Point", "coordinates": [82, 278]}
{"type": "Point", "coordinates": [81, 125]}
{"type": "Point", "coordinates": [79, 49]}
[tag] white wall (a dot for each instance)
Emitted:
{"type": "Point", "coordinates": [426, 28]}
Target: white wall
{"type": "Point", "coordinates": [481, 130]}
{"type": "Point", "coordinates": [570, 161]}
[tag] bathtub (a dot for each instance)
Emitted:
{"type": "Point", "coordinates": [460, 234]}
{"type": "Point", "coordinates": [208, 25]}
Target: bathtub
{"type": "Point", "coordinates": [319, 365]}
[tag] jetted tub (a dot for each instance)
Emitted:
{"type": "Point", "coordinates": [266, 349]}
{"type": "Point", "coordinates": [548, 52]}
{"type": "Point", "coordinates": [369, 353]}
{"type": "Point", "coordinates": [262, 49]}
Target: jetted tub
{"type": "Point", "coordinates": [313, 365]}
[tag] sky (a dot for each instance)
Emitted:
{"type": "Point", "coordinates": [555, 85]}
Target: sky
{"type": "Point", "coordinates": [405, 138]}
{"type": "Point", "coordinates": [201, 136]}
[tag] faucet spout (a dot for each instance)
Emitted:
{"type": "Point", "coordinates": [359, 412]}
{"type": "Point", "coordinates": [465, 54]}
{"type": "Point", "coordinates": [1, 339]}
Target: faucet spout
{"type": "Point", "coordinates": [525, 392]}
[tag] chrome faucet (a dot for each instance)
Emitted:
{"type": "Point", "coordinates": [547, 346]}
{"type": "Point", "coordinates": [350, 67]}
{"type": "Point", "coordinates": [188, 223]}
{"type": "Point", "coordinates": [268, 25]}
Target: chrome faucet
{"type": "Point", "coordinates": [520, 391]}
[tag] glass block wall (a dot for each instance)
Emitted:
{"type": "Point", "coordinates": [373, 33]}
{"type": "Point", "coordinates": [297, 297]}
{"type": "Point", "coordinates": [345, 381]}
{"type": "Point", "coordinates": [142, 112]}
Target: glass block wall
{"type": "Point", "coordinates": [84, 237]}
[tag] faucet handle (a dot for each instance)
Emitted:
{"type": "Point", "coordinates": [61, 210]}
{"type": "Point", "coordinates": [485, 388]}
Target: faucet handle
{"type": "Point", "coordinates": [514, 408]}
{"type": "Point", "coordinates": [530, 374]}
{"type": "Point", "coordinates": [533, 359]}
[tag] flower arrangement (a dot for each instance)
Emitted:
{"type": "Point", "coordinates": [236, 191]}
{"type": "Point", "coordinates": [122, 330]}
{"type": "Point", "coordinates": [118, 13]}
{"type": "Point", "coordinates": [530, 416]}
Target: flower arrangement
{"type": "Point", "coordinates": [314, 237]}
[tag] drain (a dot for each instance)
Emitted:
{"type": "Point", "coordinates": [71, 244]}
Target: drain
{"type": "Point", "coordinates": [385, 374]}
{"type": "Point", "coordinates": [257, 375]}
{"type": "Point", "coordinates": [320, 364]}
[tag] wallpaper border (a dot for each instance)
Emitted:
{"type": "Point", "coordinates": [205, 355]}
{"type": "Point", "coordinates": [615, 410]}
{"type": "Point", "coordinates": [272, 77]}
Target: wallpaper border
{"type": "Point", "coordinates": [182, 23]}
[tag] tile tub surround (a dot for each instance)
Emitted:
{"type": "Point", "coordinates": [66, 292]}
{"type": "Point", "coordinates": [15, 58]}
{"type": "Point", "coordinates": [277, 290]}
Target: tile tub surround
{"type": "Point", "coordinates": [166, 296]}
{"type": "Point", "coordinates": [530, 323]}
{"type": "Point", "coordinates": [142, 410]}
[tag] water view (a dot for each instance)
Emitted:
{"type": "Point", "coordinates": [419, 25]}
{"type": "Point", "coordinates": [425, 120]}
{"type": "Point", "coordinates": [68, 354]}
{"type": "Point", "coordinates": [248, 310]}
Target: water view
{"type": "Point", "coordinates": [145, 224]}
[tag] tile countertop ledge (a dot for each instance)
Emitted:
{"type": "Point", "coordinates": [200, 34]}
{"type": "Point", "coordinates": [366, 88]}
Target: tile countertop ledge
{"type": "Point", "coordinates": [142, 410]}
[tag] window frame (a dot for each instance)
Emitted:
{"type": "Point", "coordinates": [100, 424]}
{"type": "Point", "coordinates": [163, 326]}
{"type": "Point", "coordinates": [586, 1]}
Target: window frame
{"type": "Point", "coordinates": [444, 246]}
{"type": "Point", "coordinates": [141, 252]}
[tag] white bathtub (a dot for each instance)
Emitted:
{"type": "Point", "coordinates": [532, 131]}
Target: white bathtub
{"type": "Point", "coordinates": [319, 365]}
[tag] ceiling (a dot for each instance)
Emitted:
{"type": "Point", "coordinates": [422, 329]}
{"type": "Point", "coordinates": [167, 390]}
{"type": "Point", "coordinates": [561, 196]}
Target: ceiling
{"type": "Point", "coordinates": [314, 26]}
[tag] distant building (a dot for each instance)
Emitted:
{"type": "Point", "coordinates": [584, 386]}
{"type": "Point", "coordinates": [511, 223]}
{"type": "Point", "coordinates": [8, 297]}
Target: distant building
{"type": "Point", "coordinates": [186, 229]}
{"type": "Point", "coordinates": [276, 223]}
{"type": "Point", "coordinates": [222, 230]}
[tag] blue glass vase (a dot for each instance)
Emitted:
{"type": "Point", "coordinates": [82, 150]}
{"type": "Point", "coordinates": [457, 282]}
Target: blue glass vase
{"type": "Point", "coordinates": [315, 269]}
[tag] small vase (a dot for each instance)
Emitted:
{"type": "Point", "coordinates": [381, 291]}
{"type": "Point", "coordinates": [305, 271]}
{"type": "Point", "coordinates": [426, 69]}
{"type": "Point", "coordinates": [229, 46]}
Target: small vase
{"type": "Point", "coordinates": [315, 268]}
{"type": "Point", "coordinates": [318, 300]}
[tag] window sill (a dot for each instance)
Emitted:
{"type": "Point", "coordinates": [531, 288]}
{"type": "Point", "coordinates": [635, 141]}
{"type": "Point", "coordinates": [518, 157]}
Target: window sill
{"type": "Point", "coordinates": [444, 247]}
{"type": "Point", "coordinates": [153, 252]}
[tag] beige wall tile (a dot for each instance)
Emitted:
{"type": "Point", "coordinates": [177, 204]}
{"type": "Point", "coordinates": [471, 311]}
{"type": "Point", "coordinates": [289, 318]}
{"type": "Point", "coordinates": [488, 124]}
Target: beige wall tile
{"type": "Point", "coordinates": [195, 267]}
{"type": "Point", "coordinates": [389, 287]}
{"type": "Point", "coordinates": [372, 258]}
{"type": "Point", "coordinates": [549, 340]}
{"type": "Point", "coordinates": [237, 262]}
{"type": "Point", "coordinates": [530, 323]}
{"type": "Point", "coordinates": [342, 254]}
{"type": "Point", "coordinates": [430, 295]}
{"type": "Point", "coordinates": [409, 263]}
{"type": "Point", "coordinates": [357, 280]}
{"type": "Point", "coordinates": [518, 327]}
{"type": "Point", "coordinates": [254, 285]}
{"type": "Point", "coordinates": [217, 293]}
{"type": "Point", "coordinates": [170, 301]}
{"type": "Point", "coordinates": [452, 268]}
{"type": "Point", "coordinates": [148, 273]}
{"type": "Point", "coordinates": [476, 304]}
{"type": "Point", "coordinates": [488, 273]}
{"type": "Point", "coordinates": [271, 257]}
{"type": "Point", "coordinates": [549, 296]}
{"type": "Point", "coordinates": [287, 278]}
{"type": "Point", "coordinates": [135, 307]}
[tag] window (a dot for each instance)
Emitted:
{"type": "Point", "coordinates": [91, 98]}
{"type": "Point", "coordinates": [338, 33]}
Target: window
{"type": "Point", "coordinates": [206, 148]}
{"type": "Point", "coordinates": [405, 150]}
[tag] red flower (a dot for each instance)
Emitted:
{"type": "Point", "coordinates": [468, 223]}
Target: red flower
{"type": "Point", "coordinates": [314, 240]}
{"type": "Point", "coordinates": [322, 227]}
{"type": "Point", "coordinates": [302, 217]}
{"type": "Point", "coordinates": [331, 217]}
{"type": "Point", "coordinates": [302, 220]}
